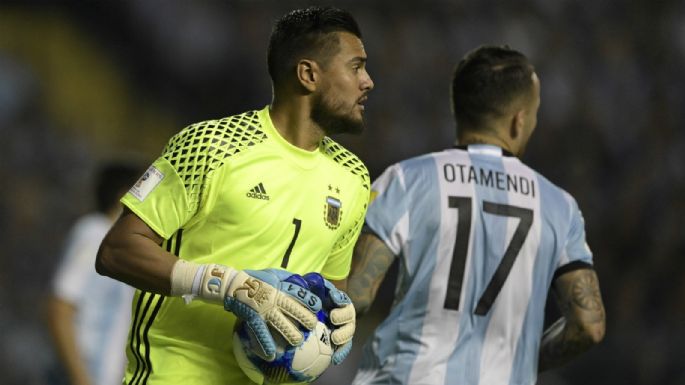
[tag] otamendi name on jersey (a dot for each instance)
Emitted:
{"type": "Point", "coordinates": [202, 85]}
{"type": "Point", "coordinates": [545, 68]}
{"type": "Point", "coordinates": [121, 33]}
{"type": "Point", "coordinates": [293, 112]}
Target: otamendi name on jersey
{"type": "Point", "coordinates": [489, 178]}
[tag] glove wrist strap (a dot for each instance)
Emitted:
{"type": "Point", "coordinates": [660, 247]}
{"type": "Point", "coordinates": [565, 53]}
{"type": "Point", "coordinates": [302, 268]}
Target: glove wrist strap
{"type": "Point", "coordinates": [209, 282]}
{"type": "Point", "coordinates": [182, 277]}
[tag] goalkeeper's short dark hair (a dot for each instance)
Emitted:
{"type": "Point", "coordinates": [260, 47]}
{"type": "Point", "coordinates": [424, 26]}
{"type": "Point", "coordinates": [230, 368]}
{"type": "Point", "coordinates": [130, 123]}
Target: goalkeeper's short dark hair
{"type": "Point", "coordinates": [486, 81]}
{"type": "Point", "coordinates": [111, 180]}
{"type": "Point", "coordinates": [306, 33]}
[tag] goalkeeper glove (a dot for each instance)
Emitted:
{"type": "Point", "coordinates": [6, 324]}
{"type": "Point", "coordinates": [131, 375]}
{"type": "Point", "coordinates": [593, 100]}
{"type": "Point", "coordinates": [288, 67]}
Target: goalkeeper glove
{"type": "Point", "coordinates": [340, 311]}
{"type": "Point", "coordinates": [259, 297]}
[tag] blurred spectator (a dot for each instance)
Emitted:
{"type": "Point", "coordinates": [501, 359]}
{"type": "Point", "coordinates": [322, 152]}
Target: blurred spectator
{"type": "Point", "coordinates": [89, 314]}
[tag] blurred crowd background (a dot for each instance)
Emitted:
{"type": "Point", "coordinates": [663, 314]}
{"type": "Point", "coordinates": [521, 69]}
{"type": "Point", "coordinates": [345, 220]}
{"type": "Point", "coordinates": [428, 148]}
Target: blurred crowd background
{"type": "Point", "coordinates": [82, 82]}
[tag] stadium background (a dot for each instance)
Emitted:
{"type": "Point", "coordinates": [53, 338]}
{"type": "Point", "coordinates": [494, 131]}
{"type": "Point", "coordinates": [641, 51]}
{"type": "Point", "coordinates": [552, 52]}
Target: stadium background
{"type": "Point", "coordinates": [86, 81]}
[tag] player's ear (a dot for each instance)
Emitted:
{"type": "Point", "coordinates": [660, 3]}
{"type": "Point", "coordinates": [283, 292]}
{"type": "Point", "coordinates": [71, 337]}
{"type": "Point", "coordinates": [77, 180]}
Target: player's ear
{"type": "Point", "coordinates": [518, 121]}
{"type": "Point", "coordinates": [308, 74]}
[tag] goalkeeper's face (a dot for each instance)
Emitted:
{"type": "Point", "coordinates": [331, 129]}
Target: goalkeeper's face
{"type": "Point", "coordinates": [338, 104]}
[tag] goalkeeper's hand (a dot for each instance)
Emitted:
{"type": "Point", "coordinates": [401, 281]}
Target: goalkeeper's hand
{"type": "Point", "coordinates": [340, 311]}
{"type": "Point", "coordinates": [259, 297]}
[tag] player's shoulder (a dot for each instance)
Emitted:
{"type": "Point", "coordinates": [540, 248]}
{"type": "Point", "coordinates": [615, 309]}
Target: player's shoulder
{"type": "Point", "coordinates": [346, 160]}
{"type": "Point", "coordinates": [552, 192]}
{"type": "Point", "coordinates": [414, 166]}
{"type": "Point", "coordinates": [419, 161]}
{"type": "Point", "coordinates": [545, 183]}
{"type": "Point", "coordinates": [220, 138]}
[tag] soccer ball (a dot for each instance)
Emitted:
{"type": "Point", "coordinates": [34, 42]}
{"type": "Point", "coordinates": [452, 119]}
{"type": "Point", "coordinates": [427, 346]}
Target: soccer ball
{"type": "Point", "coordinates": [292, 365]}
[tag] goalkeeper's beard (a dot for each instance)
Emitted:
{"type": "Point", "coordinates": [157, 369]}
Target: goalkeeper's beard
{"type": "Point", "coordinates": [326, 113]}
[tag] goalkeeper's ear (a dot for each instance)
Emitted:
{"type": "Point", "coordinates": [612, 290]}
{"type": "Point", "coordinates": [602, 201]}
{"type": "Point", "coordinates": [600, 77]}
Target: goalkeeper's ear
{"type": "Point", "coordinates": [308, 74]}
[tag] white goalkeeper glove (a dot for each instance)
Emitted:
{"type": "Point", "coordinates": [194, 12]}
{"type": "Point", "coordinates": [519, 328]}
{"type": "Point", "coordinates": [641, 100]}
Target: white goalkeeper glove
{"type": "Point", "coordinates": [341, 314]}
{"type": "Point", "coordinates": [259, 297]}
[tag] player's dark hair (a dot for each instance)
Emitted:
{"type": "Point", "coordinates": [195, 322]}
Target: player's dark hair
{"type": "Point", "coordinates": [306, 33]}
{"type": "Point", "coordinates": [486, 81]}
{"type": "Point", "coordinates": [111, 180]}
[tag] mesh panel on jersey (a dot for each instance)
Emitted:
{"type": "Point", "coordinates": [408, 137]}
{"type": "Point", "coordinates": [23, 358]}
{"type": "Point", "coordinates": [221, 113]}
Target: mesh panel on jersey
{"type": "Point", "coordinates": [202, 147]}
{"type": "Point", "coordinates": [351, 162]}
{"type": "Point", "coordinates": [344, 239]}
{"type": "Point", "coordinates": [347, 159]}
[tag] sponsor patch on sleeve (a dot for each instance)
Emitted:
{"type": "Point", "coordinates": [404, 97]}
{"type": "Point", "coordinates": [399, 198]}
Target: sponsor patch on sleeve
{"type": "Point", "coordinates": [144, 186]}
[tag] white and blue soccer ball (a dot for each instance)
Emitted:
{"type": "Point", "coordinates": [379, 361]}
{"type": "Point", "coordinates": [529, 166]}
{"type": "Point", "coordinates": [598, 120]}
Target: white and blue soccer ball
{"type": "Point", "coordinates": [292, 365]}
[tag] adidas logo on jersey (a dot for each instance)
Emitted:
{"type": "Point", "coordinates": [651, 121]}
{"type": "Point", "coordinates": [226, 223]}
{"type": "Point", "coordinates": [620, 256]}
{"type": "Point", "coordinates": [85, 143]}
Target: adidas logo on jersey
{"type": "Point", "coordinates": [258, 192]}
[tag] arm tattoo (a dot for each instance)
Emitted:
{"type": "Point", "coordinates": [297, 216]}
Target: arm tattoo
{"type": "Point", "coordinates": [585, 293]}
{"type": "Point", "coordinates": [370, 262]}
{"type": "Point", "coordinates": [582, 324]}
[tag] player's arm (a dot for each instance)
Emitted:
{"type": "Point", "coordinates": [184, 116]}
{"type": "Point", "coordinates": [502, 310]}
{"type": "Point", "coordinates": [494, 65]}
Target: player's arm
{"type": "Point", "coordinates": [132, 253]}
{"type": "Point", "coordinates": [61, 316]}
{"type": "Point", "coordinates": [370, 262]}
{"type": "Point", "coordinates": [582, 324]}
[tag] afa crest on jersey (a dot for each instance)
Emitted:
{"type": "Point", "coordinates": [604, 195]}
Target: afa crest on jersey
{"type": "Point", "coordinates": [332, 212]}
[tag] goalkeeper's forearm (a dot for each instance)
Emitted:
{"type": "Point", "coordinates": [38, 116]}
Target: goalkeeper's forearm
{"type": "Point", "coordinates": [131, 253]}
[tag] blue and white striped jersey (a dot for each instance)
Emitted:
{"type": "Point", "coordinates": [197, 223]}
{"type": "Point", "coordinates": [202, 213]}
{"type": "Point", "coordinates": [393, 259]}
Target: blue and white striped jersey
{"type": "Point", "coordinates": [103, 305]}
{"type": "Point", "coordinates": [480, 236]}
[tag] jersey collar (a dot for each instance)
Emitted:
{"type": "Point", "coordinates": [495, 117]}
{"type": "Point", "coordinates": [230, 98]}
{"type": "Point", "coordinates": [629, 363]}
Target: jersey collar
{"type": "Point", "coordinates": [485, 149]}
{"type": "Point", "coordinates": [303, 158]}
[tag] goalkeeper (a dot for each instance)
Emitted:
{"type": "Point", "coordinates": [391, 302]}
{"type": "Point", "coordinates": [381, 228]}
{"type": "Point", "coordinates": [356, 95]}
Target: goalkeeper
{"type": "Point", "coordinates": [218, 222]}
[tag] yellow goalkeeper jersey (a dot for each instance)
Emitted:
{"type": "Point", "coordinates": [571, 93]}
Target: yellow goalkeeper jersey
{"type": "Point", "coordinates": [233, 191]}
